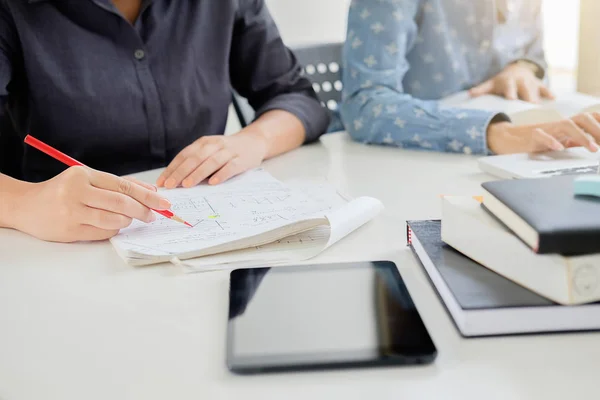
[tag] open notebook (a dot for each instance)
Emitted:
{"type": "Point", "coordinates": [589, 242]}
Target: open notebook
{"type": "Point", "coordinates": [577, 160]}
{"type": "Point", "coordinates": [249, 218]}
{"type": "Point", "coordinates": [524, 113]}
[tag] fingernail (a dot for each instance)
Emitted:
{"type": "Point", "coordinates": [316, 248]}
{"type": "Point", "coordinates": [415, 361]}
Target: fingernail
{"type": "Point", "coordinates": [558, 146]}
{"type": "Point", "coordinates": [214, 181]}
{"type": "Point", "coordinates": [164, 204]}
{"type": "Point", "coordinates": [155, 188]}
{"type": "Point", "coordinates": [152, 217]}
{"type": "Point", "coordinates": [170, 183]}
{"type": "Point", "coordinates": [187, 182]}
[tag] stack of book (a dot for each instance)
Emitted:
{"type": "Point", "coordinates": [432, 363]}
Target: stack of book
{"type": "Point", "coordinates": [525, 260]}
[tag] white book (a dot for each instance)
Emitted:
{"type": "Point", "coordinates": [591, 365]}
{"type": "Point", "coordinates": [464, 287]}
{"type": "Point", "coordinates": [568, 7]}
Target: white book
{"type": "Point", "coordinates": [472, 231]}
{"type": "Point", "coordinates": [571, 161]}
{"type": "Point", "coordinates": [484, 303]}
{"type": "Point", "coordinates": [249, 212]}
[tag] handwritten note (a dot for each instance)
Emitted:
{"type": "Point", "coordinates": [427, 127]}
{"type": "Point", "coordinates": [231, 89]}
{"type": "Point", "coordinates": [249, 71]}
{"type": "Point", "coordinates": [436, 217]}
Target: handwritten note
{"type": "Point", "coordinates": [343, 216]}
{"type": "Point", "coordinates": [249, 218]}
{"type": "Point", "coordinates": [248, 205]}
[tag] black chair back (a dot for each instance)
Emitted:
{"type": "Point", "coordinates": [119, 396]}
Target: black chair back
{"type": "Point", "coordinates": [322, 66]}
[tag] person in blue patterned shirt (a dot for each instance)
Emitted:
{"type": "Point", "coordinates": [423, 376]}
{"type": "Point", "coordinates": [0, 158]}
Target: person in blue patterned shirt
{"type": "Point", "coordinates": [402, 56]}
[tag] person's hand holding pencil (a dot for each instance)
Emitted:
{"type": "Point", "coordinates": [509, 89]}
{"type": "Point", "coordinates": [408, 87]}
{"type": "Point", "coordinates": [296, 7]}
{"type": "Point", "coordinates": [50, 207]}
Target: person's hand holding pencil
{"type": "Point", "coordinates": [83, 204]}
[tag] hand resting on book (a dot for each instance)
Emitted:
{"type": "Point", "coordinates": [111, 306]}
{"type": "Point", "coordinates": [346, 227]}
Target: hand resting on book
{"type": "Point", "coordinates": [580, 130]}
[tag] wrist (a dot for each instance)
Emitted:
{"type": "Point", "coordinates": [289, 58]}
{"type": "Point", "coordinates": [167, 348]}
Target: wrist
{"type": "Point", "coordinates": [13, 196]}
{"type": "Point", "coordinates": [253, 138]}
{"type": "Point", "coordinates": [497, 133]}
{"type": "Point", "coordinates": [530, 66]}
{"type": "Point", "coordinates": [526, 67]}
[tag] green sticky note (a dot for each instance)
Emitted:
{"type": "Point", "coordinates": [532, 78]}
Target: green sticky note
{"type": "Point", "coordinates": [587, 185]}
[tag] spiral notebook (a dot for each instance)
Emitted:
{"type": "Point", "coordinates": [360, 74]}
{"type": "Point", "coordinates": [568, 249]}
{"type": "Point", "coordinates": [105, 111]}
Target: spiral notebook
{"type": "Point", "coordinates": [252, 212]}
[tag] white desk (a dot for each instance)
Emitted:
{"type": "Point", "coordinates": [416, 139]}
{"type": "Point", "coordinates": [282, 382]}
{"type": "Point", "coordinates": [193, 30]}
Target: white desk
{"type": "Point", "coordinates": [77, 323]}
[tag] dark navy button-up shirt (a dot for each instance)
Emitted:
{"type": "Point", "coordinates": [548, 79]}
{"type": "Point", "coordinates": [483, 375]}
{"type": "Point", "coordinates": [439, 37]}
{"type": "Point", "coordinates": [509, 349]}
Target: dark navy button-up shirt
{"type": "Point", "coordinates": [122, 98]}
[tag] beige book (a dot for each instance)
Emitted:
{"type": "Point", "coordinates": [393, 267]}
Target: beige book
{"type": "Point", "coordinates": [472, 231]}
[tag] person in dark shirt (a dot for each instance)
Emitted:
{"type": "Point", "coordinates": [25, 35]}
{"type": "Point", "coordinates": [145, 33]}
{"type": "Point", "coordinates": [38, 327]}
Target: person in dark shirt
{"type": "Point", "coordinates": [131, 85]}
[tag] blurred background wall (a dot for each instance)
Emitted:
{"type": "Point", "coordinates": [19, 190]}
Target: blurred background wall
{"type": "Point", "coordinates": [588, 78]}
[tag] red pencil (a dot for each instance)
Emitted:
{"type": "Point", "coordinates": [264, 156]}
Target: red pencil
{"type": "Point", "coordinates": [71, 162]}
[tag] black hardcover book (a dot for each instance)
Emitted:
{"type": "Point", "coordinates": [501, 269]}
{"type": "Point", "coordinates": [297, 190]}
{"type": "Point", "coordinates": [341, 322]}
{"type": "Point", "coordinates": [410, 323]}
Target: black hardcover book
{"type": "Point", "coordinates": [483, 303]}
{"type": "Point", "coordinates": [546, 214]}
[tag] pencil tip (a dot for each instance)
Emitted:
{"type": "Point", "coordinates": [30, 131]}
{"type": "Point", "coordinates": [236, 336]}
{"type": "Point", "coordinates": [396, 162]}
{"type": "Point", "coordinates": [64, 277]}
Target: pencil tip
{"type": "Point", "coordinates": [188, 224]}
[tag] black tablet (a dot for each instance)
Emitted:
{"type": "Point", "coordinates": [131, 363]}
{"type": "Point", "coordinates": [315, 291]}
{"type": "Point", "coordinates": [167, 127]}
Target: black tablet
{"type": "Point", "coordinates": [323, 316]}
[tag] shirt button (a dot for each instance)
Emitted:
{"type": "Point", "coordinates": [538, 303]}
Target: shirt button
{"type": "Point", "coordinates": [139, 54]}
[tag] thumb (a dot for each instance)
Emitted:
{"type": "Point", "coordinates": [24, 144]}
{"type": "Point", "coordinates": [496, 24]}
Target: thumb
{"type": "Point", "coordinates": [484, 88]}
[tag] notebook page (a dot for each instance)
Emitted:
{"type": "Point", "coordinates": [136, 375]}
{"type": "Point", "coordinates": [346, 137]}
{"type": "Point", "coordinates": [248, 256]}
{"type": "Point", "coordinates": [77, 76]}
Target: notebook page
{"type": "Point", "coordinates": [347, 219]}
{"type": "Point", "coordinates": [296, 247]}
{"type": "Point", "coordinates": [521, 112]}
{"type": "Point", "coordinates": [293, 248]}
{"type": "Point", "coordinates": [569, 104]}
{"type": "Point", "coordinates": [248, 205]}
{"type": "Point", "coordinates": [342, 221]}
{"type": "Point", "coordinates": [487, 103]}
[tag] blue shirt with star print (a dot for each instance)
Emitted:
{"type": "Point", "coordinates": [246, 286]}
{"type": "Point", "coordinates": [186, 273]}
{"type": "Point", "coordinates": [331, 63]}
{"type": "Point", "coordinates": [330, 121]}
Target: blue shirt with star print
{"type": "Point", "coordinates": [402, 56]}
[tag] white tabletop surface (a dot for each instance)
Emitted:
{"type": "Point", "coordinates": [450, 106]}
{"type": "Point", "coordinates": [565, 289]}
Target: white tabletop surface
{"type": "Point", "coordinates": [77, 323]}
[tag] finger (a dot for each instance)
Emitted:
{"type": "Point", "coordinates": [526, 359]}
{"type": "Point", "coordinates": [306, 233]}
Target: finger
{"type": "Point", "coordinates": [106, 220]}
{"type": "Point", "coordinates": [150, 199]}
{"type": "Point", "coordinates": [596, 115]}
{"type": "Point", "coordinates": [510, 89]}
{"type": "Point", "coordinates": [542, 141]}
{"type": "Point", "coordinates": [91, 233]}
{"type": "Point", "coordinates": [208, 167]}
{"type": "Point", "coordinates": [589, 124]}
{"type": "Point", "coordinates": [484, 88]}
{"type": "Point", "coordinates": [118, 203]}
{"type": "Point", "coordinates": [547, 93]}
{"type": "Point", "coordinates": [573, 132]}
{"type": "Point", "coordinates": [173, 165]}
{"type": "Point", "coordinates": [231, 169]}
{"type": "Point", "coordinates": [528, 91]}
{"type": "Point", "coordinates": [182, 172]}
{"type": "Point", "coordinates": [142, 184]}
{"type": "Point", "coordinates": [190, 164]}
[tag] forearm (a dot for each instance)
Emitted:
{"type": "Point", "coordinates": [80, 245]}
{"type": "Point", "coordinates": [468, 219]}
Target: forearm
{"type": "Point", "coordinates": [398, 119]}
{"type": "Point", "coordinates": [280, 131]}
{"type": "Point", "coordinates": [266, 72]}
{"type": "Point", "coordinates": [12, 192]}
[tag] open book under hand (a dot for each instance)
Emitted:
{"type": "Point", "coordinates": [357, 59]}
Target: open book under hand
{"type": "Point", "coordinates": [253, 216]}
{"type": "Point", "coordinates": [576, 160]}
{"type": "Point", "coordinates": [524, 113]}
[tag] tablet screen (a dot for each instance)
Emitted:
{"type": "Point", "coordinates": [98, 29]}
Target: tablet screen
{"type": "Point", "coordinates": [316, 316]}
